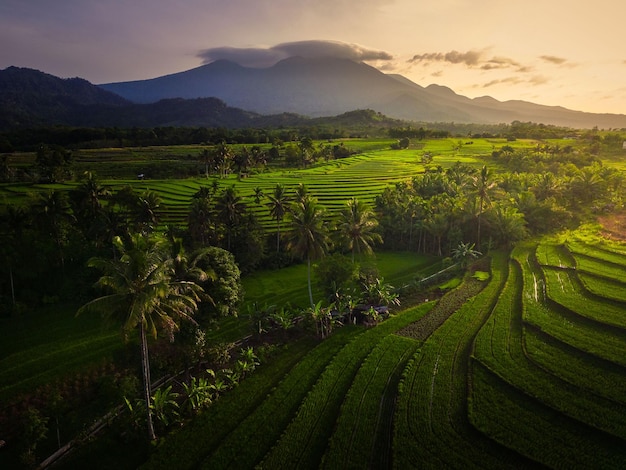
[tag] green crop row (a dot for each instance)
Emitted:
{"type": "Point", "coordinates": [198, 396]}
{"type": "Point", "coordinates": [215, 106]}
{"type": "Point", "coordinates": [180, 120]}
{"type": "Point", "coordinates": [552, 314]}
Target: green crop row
{"type": "Point", "coordinates": [553, 254]}
{"type": "Point", "coordinates": [599, 377]}
{"type": "Point", "coordinates": [573, 330]}
{"type": "Point", "coordinates": [597, 251]}
{"type": "Point", "coordinates": [500, 347]}
{"type": "Point", "coordinates": [187, 447]}
{"type": "Point", "coordinates": [360, 423]}
{"type": "Point", "coordinates": [563, 288]}
{"type": "Point", "coordinates": [604, 287]}
{"type": "Point", "coordinates": [598, 267]}
{"type": "Point", "coordinates": [431, 425]}
{"type": "Point", "coordinates": [261, 428]}
{"type": "Point", "coordinates": [304, 441]}
{"type": "Point", "coordinates": [522, 424]}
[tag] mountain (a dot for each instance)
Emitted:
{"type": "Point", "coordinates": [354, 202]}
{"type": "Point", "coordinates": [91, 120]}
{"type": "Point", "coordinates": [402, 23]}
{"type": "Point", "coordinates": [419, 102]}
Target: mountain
{"type": "Point", "coordinates": [293, 92]}
{"type": "Point", "coordinates": [331, 86]}
{"type": "Point", "coordinates": [30, 98]}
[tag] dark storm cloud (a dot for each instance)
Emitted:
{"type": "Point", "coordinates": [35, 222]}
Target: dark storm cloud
{"type": "Point", "coordinates": [264, 57]}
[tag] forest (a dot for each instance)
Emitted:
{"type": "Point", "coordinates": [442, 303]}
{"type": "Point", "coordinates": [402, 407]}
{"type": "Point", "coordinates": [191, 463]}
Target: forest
{"type": "Point", "coordinates": [258, 274]}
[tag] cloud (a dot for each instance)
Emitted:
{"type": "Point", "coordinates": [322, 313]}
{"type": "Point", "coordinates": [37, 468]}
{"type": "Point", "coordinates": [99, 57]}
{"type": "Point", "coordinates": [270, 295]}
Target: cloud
{"type": "Point", "coordinates": [250, 57]}
{"type": "Point", "coordinates": [516, 80]}
{"type": "Point", "coordinates": [472, 59]}
{"type": "Point", "coordinates": [553, 59]}
{"type": "Point", "coordinates": [508, 80]}
{"type": "Point", "coordinates": [469, 58]}
{"type": "Point", "coordinates": [267, 56]}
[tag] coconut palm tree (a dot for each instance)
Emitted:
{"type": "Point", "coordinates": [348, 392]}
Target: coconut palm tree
{"type": "Point", "coordinates": [437, 225]}
{"type": "Point", "coordinates": [199, 220]}
{"type": "Point", "coordinates": [357, 227]}
{"type": "Point", "coordinates": [223, 155]}
{"type": "Point", "coordinates": [230, 209]}
{"type": "Point", "coordinates": [87, 202]}
{"type": "Point", "coordinates": [141, 293]}
{"type": "Point", "coordinates": [147, 211]}
{"type": "Point", "coordinates": [309, 237]}
{"type": "Point", "coordinates": [52, 214]}
{"type": "Point", "coordinates": [482, 188]}
{"type": "Point", "coordinates": [278, 206]}
{"type": "Point", "coordinates": [507, 224]}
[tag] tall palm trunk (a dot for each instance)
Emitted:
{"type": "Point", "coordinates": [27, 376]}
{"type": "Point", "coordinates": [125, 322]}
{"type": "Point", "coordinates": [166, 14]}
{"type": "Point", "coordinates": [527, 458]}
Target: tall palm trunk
{"type": "Point", "coordinates": [12, 284]}
{"type": "Point", "coordinates": [480, 212]}
{"type": "Point", "coordinates": [145, 372]}
{"type": "Point", "coordinates": [308, 273]}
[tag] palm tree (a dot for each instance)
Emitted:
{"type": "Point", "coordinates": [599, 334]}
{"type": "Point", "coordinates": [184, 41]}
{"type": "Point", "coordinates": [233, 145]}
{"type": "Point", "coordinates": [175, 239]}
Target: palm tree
{"type": "Point", "coordinates": [199, 220]}
{"type": "Point", "coordinates": [141, 293]}
{"type": "Point", "coordinates": [208, 158]}
{"type": "Point", "coordinates": [223, 158]}
{"type": "Point", "coordinates": [87, 202]}
{"type": "Point", "coordinates": [482, 187]}
{"type": "Point", "coordinates": [508, 224]}
{"type": "Point", "coordinates": [357, 226]}
{"type": "Point", "coordinates": [187, 267]}
{"type": "Point", "coordinates": [230, 209]}
{"type": "Point", "coordinates": [302, 192]}
{"type": "Point", "coordinates": [437, 225]}
{"type": "Point", "coordinates": [278, 205]}
{"type": "Point", "coordinates": [258, 194]}
{"type": "Point", "coordinates": [309, 238]}
{"type": "Point", "coordinates": [546, 185]}
{"type": "Point", "coordinates": [146, 211]}
{"type": "Point", "coordinates": [588, 185]}
{"type": "Point", "coordinates": [53, 215]}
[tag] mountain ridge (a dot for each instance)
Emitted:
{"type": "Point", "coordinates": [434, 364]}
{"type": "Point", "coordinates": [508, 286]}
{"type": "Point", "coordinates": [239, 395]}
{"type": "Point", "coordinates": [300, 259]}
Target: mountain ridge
{"type": "Point", "coordinates": [329, 86]}
{"type": "Point", "coordinates": [227, 94]}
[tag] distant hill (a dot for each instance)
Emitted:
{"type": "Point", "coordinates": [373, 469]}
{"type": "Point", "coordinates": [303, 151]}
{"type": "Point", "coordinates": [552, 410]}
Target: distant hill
{"type": "Point", "coordinates": [294, 92]}
{"type": "Point", "coordinates": [330, 86]}
{"type": "Point", "coordinates": [31, 98]}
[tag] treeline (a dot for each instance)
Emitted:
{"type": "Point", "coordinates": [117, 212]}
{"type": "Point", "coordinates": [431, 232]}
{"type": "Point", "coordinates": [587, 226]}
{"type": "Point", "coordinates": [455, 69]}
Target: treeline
{"type": "Point", "coordinates": [541, 192]}
{"type": "Point", "coordinates": [362, 123]}
{"type": "Point", "coordinates": [55, 163]}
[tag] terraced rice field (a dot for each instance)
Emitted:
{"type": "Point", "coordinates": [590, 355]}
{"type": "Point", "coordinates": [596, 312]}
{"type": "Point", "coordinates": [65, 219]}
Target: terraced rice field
{"type": "Point", "coordinates": [516, 377]}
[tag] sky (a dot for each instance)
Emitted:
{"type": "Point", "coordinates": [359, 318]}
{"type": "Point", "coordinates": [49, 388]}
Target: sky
{"type": "Point", "coordinates": [554, 52]}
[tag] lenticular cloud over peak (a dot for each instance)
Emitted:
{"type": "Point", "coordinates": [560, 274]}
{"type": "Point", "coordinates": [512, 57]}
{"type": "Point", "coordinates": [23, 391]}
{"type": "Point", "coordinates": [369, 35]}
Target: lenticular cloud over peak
{"type": "Point", "coordinates": [267, 56]}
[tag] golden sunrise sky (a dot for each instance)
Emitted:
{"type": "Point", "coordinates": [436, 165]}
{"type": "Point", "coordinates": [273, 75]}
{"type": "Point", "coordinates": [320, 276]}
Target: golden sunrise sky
{"type": "Point", "coordinates": [555, 52]}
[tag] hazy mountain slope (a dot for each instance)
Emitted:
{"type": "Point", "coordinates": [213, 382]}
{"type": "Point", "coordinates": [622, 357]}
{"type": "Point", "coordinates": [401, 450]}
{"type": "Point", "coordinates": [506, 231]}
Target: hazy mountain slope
{"type": "Point", "coordinates": [328, 86]}
{"type": "Point", "coordinates": [226, 94]}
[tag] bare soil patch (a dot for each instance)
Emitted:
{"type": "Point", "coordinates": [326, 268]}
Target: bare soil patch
{"type": "Point", "coordinates": [614, 226]}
